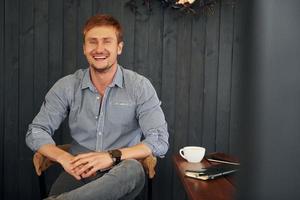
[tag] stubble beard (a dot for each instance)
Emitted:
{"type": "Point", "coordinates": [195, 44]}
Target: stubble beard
{"type": "Point", "coordinates": [102, 70]}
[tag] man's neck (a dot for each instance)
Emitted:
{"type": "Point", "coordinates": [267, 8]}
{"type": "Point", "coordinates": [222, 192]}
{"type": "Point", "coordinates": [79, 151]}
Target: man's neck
{"type": "Point", "coordinates": [102, 79]}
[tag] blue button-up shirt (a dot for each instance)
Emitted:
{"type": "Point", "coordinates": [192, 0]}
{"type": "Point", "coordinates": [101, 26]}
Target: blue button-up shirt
{"type": "Point", "coordinates": [128, 110]}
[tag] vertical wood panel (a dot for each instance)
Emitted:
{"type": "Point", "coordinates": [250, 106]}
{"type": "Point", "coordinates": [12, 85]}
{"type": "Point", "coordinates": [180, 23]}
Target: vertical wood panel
{"type": "Point", "coordinates": [2, 81]}
{"type": "Point", "coordinates": [70, 37]}
{"type": "Point", "coordinates": [183, 63]}
{"type": "Point", "coordinates": [55, 41]}
{"type": "Point", "coordinates": [236, 80]}
{"type": "Point", "coordinates": [155, 46]}
{"type": "Point", "coordinates": [11, 67]}
{"type": "Point", "coordinates": [40, 52]}
{"type": "Point", "coordinates": [127, 20]}
{"type": "Point", "coordinates": [85, 10]}
{"type": "Point", "coordinates": [168, 96]}
{"type": "Point", "coordinates": [197, 81]}
{"type": "Point", "coordinates": [224, 77]}
{"type": "Point", "coordinates": [210, 84]}
{"type": "Point", "coordinates": [55, 68]}
{"type": "Point", "coordinates": [141, 41]}
{"type": "Point", "coordinates": [26, 108]}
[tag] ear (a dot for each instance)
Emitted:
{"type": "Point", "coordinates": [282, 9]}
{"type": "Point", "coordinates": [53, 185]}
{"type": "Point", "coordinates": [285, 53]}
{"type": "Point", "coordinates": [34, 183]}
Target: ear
{"type": "Point", "coordinates": [120, 47]}
{"type": "Point", "coordinates": [83, 48]}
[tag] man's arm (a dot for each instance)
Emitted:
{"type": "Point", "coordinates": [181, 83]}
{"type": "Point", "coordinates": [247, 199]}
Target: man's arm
{"type": "Point", "coordinates": [53, 111]}
{"type": "Point", "coordinates": [39, 135]}
{"type": "Point", "coordinates": [86, 164]}
{"type": "Point", "coordinates": [151, 119]}
{"type": "Point", "coordinates": [56, 154]}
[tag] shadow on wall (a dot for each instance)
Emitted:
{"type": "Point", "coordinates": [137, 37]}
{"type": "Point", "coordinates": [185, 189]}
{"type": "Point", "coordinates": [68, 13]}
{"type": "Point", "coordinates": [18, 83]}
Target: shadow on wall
{"type": "Point", "coordinates": [271, 101]}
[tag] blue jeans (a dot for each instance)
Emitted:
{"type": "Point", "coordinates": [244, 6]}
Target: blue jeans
{"type": "Point", "coordinates": [124, 181]}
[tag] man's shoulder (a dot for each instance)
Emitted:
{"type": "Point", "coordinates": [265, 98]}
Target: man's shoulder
{"type": "Point", "coordinates": [74, 78]}
{"type": "Point", "coordinates": [70, 82]}
{"type": "Point", "coordinates": [132, 77]}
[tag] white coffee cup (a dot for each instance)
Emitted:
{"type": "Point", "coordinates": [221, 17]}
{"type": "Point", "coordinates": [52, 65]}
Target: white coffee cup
{"type": "Point", "coordinates": [192, 154]}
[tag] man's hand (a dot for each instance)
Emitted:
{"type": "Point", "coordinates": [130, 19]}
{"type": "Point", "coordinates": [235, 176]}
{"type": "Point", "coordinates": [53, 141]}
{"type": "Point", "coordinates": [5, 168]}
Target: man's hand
{"type": "Point", "coordinates": [65, 160]}
{"type": "Point", "coordinates": [87, 164]}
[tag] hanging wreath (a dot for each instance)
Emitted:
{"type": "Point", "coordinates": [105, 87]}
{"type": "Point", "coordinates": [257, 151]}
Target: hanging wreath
{"type": "Point", "coordinates": [187, 6]}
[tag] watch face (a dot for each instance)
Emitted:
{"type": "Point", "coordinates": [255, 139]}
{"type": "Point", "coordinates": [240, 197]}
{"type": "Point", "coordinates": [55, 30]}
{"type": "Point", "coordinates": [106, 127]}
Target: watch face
{"type": "Point", "coordinates": [115, 155]}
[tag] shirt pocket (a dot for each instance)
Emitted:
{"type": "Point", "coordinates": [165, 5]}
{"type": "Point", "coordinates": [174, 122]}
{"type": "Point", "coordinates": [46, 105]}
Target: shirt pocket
{"type": "Point", "coordinates": [122, 113]}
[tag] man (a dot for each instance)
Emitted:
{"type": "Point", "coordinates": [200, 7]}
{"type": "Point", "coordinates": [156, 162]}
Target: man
{"type": "Point", "coordinates": [109, 108]}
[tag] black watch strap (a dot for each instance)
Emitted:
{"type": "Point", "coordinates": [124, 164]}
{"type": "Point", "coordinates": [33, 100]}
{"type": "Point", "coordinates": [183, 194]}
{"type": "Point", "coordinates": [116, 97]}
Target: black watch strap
{"type": "Point", "coordinates": [115, 154]}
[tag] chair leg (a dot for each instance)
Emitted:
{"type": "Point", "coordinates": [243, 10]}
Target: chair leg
{"type": "Point", "coordinates": [42, 184]}
{"type": "Point", "coordinates": [149, 189]}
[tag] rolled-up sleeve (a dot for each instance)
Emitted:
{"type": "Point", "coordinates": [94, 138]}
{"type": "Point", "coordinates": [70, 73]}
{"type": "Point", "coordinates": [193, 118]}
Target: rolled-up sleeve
{"type": "Point", "coordinates": [151, 119]}
{"type": "Point", "coordinates": [53, 111]}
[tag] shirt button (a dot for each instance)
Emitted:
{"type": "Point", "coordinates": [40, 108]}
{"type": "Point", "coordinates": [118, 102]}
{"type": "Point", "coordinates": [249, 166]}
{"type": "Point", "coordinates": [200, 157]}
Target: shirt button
{"type": "Point", "coordinates": [99, 133]}
{"type": "Point", "coordinates": [96, 117]}
{"type": "Point", "coordinates": [98, 98]}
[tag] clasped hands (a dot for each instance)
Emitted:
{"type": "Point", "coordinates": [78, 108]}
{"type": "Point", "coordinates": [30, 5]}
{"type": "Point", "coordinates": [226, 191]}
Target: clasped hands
{"type": "Point", "coordinates": [86, 164]}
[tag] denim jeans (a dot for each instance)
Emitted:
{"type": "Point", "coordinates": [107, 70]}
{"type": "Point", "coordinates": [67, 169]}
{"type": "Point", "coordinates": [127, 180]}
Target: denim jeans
{"type": "Point", "coordinates": [124, 181]}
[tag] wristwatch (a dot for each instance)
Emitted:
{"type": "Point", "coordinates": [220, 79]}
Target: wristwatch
{"type": "Point", "coordinates": [115, 155]}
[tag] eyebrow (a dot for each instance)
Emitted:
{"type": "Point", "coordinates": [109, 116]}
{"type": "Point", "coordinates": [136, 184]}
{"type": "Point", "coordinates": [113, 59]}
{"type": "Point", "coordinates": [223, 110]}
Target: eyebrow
{"type": "Point", "coordinates": [94, 38]}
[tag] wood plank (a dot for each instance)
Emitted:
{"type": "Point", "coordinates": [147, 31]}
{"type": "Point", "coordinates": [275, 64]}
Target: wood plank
{"type": "Point", "coordinates": [85, 10]}
{"type": "Point", "coordinates": [2, 117]}
{"type": "Point", "coordinates": [236, 85]}
{"type": "Point", "coordinates": [28, 182]}
{"type": "Point", "coordinates": [56, 41]}
{"type": "Point", "coordinates": [210, 84]}
{"type": "Point", "coordinates": [11, 101]}
{"type": "Point", "coordinates": [56, 49]}
{"type": "Point", "coordinates": [168, 96]}
{"type": "Point", "coordinates": [141, 43]}
{"type": "Point", "coordinates": [224, 77]}
{"type": "Point", "coordinates": [127, 20]}
{"type": "Point", "coordinates": [197, 81]}
{"type": "Point", "coordinates": [70, 37]}
{"type": "Point", "coordinates": [183, 63]}
{"type": "Point", "coordinates": [40, 53]}
{"type": "Point", "coordinates": [101, 7]}
{"type": "Point", "coordinates": [155, 46]}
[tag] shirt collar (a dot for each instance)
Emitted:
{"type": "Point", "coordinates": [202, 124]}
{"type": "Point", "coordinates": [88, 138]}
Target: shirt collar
{"type": "Point", "coordinates": [86, 81]}
{"type": "Point", "coordinates": [117, 80]}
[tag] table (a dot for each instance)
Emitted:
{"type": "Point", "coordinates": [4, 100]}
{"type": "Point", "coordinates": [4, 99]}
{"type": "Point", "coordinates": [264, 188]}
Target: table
{"type": "Point", "coordinates": [221, 188]}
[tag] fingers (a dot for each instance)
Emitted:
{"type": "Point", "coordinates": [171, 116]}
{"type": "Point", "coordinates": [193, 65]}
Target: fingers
{"type": "Point", "coordinates": [90, 172]}
{"type": "Point", "coordinates": [79, 163]}
{"type": "Point", "coordinates": [74, 175]}
{"type": "Point", "coordinates": [83, 169]}
{"type": "Point", "coordinates": [86, 165]}
{"type": "Point", "coordinates": [80, 156]}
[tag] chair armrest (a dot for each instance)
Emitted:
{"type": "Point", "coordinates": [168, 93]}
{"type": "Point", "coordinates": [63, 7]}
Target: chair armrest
{"type": "Point", "coordinates": [149, 164]}
{"type": "Point", "coordinates": [41, 163]}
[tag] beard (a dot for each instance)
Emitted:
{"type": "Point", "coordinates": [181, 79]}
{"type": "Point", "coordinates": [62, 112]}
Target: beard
{"type": "Point", "coordinates": [102, 70]}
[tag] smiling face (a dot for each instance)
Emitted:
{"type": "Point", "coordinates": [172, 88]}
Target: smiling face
{"type": "Point", "coordinates": [101, 48]}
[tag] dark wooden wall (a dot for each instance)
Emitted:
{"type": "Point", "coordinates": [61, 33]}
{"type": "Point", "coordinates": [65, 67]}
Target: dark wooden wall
{"type": "Point", "coordinates": [192, 60]}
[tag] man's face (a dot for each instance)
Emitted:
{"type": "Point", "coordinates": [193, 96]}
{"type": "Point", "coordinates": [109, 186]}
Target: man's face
{"type": "Point", "coordinates": [101, 48]}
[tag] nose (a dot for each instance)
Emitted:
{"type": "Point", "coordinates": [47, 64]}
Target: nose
{"type": "Point", "coordinates": [99, 48]}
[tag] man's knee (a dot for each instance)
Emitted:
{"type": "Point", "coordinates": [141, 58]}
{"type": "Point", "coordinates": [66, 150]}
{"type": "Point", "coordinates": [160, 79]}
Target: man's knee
{"type": "Point", "coordinates": [134, 170]}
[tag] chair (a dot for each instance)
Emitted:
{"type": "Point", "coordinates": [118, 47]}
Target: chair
{"type": "Point", "coordinates": [42, 163]}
